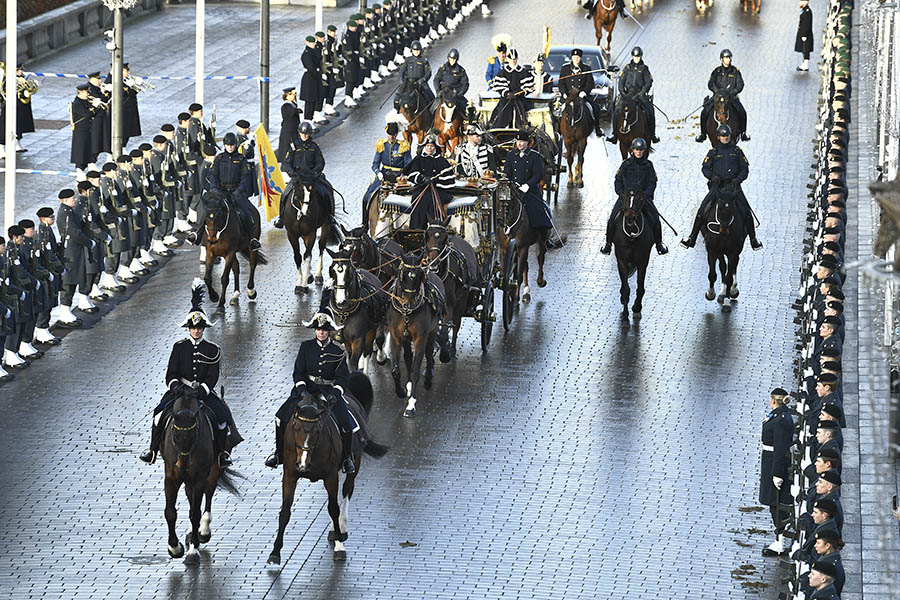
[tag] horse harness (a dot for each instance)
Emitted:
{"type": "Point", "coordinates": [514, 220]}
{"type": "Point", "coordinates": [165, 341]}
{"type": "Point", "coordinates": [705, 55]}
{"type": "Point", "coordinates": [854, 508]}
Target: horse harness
{"type": "Point", "coordinates": [366, 290]}
{"type": "Point", "coordinates": [409, 309]}
{"type": "Point", "coordinates": [212, 231]}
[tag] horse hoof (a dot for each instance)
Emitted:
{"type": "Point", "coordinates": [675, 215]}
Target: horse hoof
{"type": "Point", "coordinates": [445, 356]}
{"type": "Point", "coordinates": [726, 308]}
{"type": "Point", "coordinates": [192, 559]}
{"type": "Point", "coordinates": [637, 314]}
{"type": "Point", "coordinates": [233, 301]}
{"type": "Point", "coordinates": [720, 298]}
{"type": "Point", "coordinates": [542, 283]}
{"type": "Point", "coordinates": [580, 184]}
{"type": "Point", "coordinates": [213, 296]}
{"type": "Point", "coordinates": [274, 559]}
{"type": "Point", "coordinates": [340, 556]}
{"type": "Point", "coordinates": [710, 295]}
{"type": "Point", "coordinates": [179, 551]}
{"type": "Point", "coordinates": [382, 360]}
{"type": "Point", "coordinates": [570, 184]}
{"type": "Point", "coordinates": [409, 413]}
{"type": "Point", "coordinates": [734, 295]}
{"type": "Point", "coordinates": [300, 289]}
{"type": "Point", "coordinates": [251, 294]}
{"type": "Point", "coordinates": [526, 297]}
{"type": "Point", "coordinates": [204, 539]}
{"type": "Point", "coordinates": [319, 280]}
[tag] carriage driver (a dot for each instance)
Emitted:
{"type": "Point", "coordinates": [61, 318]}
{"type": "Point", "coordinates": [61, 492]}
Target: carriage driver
{"type": "Point", "coordinates": [306, 165]}
{"type": "Point", "coordinates": [725, 166]}
{"type": "Point", "coordinates": [725, 79]}
{"type": "Point", "coordinates": [320, 368]}
{"type": "Point", "coordinates": [194, 363]}
{"type": "Point", "coordinates": [635, 82]}
{"type": "Point", "coordinates": [231, 176]}
{"type": "Point", "coordinates": [636, 173]}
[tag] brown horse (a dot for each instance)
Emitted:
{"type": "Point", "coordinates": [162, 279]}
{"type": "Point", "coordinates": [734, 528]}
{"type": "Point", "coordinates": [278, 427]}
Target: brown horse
{"type": "Point", "coordinates": [448, 119]}
{"type": "Point", "coordinates": [753, 5]}
{"type": "Point", "coordinates": [704, 5]}
{"type": "Point", "coordinates": [190, 460]}
{"type": "Point", "coordinates": [631, 123]}
{"type": "Point", "coordinates": [306, 214]}
{"type": "Point", "coordinates": [226, 238]}
{"type": "Point", "coordinates": [312, 450]}
{"type": "Point", "coordinates": [605, 14]}
{"type": "Point", "coordinates": [516, 226]}
{"type": "Point", "coordinates": [722, 114]}
{"type": "Point", "coordinates": [413, 106]}
{"type": "Point", "coordinates": [576, 126]}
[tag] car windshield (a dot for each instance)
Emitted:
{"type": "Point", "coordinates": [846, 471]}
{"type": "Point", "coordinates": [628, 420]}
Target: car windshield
{"type": "Point", "coordinates": [556, 60]}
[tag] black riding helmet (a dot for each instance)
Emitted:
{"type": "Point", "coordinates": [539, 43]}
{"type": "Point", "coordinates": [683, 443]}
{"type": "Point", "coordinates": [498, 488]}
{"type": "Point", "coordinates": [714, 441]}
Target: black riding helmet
{"type": "Point", "coordinates": [723, 131]}
{"type": "Point", "coordinates": [230, 139]}
{"type": "Point", "coordinates": [306, 127]}
{"type": "Point", "coordinates": [638, 144]}
{"type": "Point", "coordinates": [726, 53]}
{"type": "Point", "coordinates": [454, 53]}
{"type": "Point", "coordinates": [416, 45]}
{"type": "Point", "coordinates": [636, 51]}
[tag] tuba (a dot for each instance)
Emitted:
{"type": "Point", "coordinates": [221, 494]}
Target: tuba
{"type": "Point", "coordinates": [25, 89]}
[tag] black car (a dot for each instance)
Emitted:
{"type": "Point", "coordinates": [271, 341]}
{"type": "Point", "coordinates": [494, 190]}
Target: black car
{"type": "Point", "coordinates": [592, 58]}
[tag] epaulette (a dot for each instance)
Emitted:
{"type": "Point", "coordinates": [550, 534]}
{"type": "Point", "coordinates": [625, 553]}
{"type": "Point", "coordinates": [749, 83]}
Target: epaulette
{"type": "Point", "coordinates": [404, 146]}
{"type": "Point", "coordinates": [379, 145]}
{"type": "Point", "coordinates": [492, 60]}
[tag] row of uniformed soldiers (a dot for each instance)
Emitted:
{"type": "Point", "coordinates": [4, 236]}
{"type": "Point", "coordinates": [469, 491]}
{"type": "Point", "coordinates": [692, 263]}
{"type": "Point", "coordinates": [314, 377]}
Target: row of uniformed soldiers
{"type": "Point", "coordinates": [110, 227]}
{"type": "Point", "coordinates": [373, 44]}
{"type": "Point", "coordinates": [803, 488]}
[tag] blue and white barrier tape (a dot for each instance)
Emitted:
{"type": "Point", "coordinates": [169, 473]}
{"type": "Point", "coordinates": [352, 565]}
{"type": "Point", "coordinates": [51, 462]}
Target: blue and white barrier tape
{"type": "Point", "coordinates": [42, 172]}
{"type": "Point", "coordinates": [160, 77]}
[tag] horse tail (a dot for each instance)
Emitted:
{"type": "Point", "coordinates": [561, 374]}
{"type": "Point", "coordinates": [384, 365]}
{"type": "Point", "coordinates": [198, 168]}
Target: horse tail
{"type": "Point", "coordinates": [261, 258]}
{"type": "Point", "coordinates": [360, 387]}
{"type": "Point", "coordinates": [227, 481]}
{"type": "Point", "coordinates": [375, 450]}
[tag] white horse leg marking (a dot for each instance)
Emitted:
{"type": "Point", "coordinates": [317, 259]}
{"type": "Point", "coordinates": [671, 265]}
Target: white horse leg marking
{"type": "Point", "coordinates": [723, 291]}
{"type": "Point", "coordinates": [205, 520]}
{"type": "Point", "coordinates": [345, 513]}
{"type": "Point", "coordinates": [176, 549]}
{"type": "Point", "coordinates": [300, 280]}
{"type": "Point", "coordinates": [306, 267]}
{"type": "Point", "coordinates": [411, 403]}
{"type": "Point", "coordinates": [338, 546]}
{"type": "Point", "coordinates": [304, 455]}
{"type": "Point", "coordinates": [319, 268]}
{"type": "Point", "coordinates": [409, 388]}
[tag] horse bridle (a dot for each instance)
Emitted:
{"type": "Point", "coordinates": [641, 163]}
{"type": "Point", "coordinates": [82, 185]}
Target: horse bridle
{"type": "Point", "coordinates": [211, 232]}
{"type": "Point", "coordinates": [443, 254]}
{"type": "Point", "coordinates": [723, 227]}
{"type": "Point", "coordinates": [726, 114]}
{"type": "Point", "coordinates": [398, 300]}
{"type": "Point", "coordinates": [193, 426]}
{"type": "Point", "coordinates": [308, 425]}
{"type": "Point", "coordinates": [572, 119]}
{"type": "Point", "coordinates": [640, 217]}
{"type": "Point", "coordinates": [626, 126]}
{"type": "Point", "coordinates": [305, 201]}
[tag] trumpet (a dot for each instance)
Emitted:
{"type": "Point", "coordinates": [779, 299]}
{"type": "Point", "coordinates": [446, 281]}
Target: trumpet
{"type": "Point", "coordinates": [139, 84]}
{"type": "Point", "coordinates": [98, 103]}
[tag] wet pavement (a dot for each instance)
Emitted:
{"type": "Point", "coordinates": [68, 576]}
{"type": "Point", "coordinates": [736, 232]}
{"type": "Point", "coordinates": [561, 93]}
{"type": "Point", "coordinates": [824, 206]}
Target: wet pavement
{"type": "Point", "coordinates": [580, 457]}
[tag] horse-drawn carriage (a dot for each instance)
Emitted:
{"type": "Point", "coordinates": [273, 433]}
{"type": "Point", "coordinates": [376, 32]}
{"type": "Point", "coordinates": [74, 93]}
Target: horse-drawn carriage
{"type": "Point", "coordinates": [475, 215]}
{"type": "Point", "coordinates": [543, 117]}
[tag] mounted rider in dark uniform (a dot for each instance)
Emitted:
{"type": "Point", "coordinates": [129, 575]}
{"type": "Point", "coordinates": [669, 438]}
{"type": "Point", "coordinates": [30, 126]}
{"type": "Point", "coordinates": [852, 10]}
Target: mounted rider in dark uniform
{"type": "Point", "coordinates": [453, 77]}
{"type": "Point", "coordinates": [591, 6]}
{"type": "Point", "coordinates": [432, 176]}
{"type": "Point", "coordinates": [230, 175]}
{"type": "Point", "coordinates": [725, 79]}
{"type": "Point", "coordinates": [636, 173]}
{"type": "Point", "coordinates": [525, 169]}
{"type": "Point", "coordinates": [306, 165]}
{"type": "Point", "coordinates": [635, 82]}
{"type": "Point", "coordinates": [320, 368]}
{"type": "Point", "coordinates": [574, 75]}
{"type": "Point", "coordinates": [416, 71]}
{"type": "Point", "coordinates": [194, 363]}
{"type": "Point", "coordinates": [725, 166]}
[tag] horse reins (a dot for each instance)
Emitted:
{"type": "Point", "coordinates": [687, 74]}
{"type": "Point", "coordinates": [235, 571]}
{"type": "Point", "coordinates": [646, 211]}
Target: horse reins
{"type": "Point", "coordinates": [211, 233]}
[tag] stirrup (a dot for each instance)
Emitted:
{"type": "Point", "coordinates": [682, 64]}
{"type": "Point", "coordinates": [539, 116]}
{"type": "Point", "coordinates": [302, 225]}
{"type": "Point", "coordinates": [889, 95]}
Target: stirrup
{"type": "Point", "coordinates": [612, 139]}
{"type": "Point", "coordinates": [688, 243]}
{"type": "Point", "coordinates": [272, 461]}
{"type": "Point", "coordinates": [700, 138]}
{"type": "Point", "coordinates": [254, 244]}
{"type": "Point", "coordinates": [756, 244]}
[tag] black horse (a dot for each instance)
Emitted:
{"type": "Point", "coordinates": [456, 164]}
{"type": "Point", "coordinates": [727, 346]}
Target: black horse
{"type": "Point", "coordinates": [722, 113]}
{"type": "Point", "coordinates": [190, 459]}
{"type": "Point", "coordinates": [411, 102]}
{"type": "Point", "coordinates": [306, 214]}
{"type": "Point", "coordinates": [633, 240]}
{"type": "Point", "coordinates": [312, 450]}
{"type": "Point", "coordinates": [413, 315]}
{"type": "Point", "coordinates": [225, 237]}
{"type": "Point", "coordinates": [631, 123]}
{"type": "Point", "coordinates": [724, 232]}
{"type": "Point", "coordinates": [454, 261]}
{"type": "Point", "coordinates": [358, 303]}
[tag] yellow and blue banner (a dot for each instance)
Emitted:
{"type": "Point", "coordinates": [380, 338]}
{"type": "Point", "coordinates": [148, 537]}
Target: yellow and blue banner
{"type": "Point", "coordinates": [271, 181]}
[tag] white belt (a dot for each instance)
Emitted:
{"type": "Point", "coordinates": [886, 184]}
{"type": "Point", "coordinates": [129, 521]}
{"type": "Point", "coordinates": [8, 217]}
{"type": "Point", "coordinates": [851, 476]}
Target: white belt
{"type": "Point", "coordinates": [768, 448]}
{"type": "Point", "coordinates": [322, 381]}
{"type": "Point", "coordinates": [192, 384]}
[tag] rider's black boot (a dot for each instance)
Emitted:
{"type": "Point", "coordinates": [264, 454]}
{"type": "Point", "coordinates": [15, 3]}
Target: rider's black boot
{"type": "Point", "coordinates": [695, 231]}
{"type": "Point", "coordinates": [274, 459]}
{"type": "Point", "coordinates": [607, 248]}
{"type": "Point", "coordinates": [221, 445]}
{"type": "Point", "coordinates": [701, 137]}
{"type": "Point", "coordinates": [347, 441]}
{"type": "Point", "coordinates": [611, 138]}
{"type": "Point", "coordinates": [149, 456]}
{"type": "Point", "coordinates": [751, 232]}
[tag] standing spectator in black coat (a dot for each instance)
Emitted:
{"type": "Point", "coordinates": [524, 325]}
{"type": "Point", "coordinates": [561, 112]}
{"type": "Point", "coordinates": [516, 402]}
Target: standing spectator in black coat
{"type": "Point", "coordinates": [804, 42]}
{"type": "Point", "coordinates": [774, 484]}
{"type": "Point", "coordinates": [81, 114]}
{"type": "Point", "coordinates": [290, 124]}
{"type": "Point", "coordinates": [311, 82]}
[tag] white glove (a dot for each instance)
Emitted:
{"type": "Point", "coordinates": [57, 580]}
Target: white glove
{"type": "Point", "coordinates": [22, 297]}
{"type": "Point", "coordinates": [52, 277]}
{"type": "Point", "coordinates": [804, 464]}
{"type": "Point", "coordinates": [581, 95]}
{"type": "Point", "coordinates": [103, 210]}
{"type": "Point", "coordinates": [523, 188]}
{"type": "Point", "coordinates": [95, 102]}
{"type": "Point", "coordinates": [808, 372]}
{"type": "Point", "coordinates": [8, 313]}
{"type": "Point", "coordinates": [777, 481]}
{"type": "Point", "coordinates": [795, 490]}
{"type": "Point", "coordinates": [37, 285]}
{"type": "Point", "coordinates": [803, 39]}
{"type": "Point", "coordinates": [134, 212]}
{"type": "Point", "coordinates": [380, 176]}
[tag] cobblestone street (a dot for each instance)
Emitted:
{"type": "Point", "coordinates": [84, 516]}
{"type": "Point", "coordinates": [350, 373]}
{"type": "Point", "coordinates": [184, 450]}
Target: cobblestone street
{"type": "Point", "coordinates": [580, 457]}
